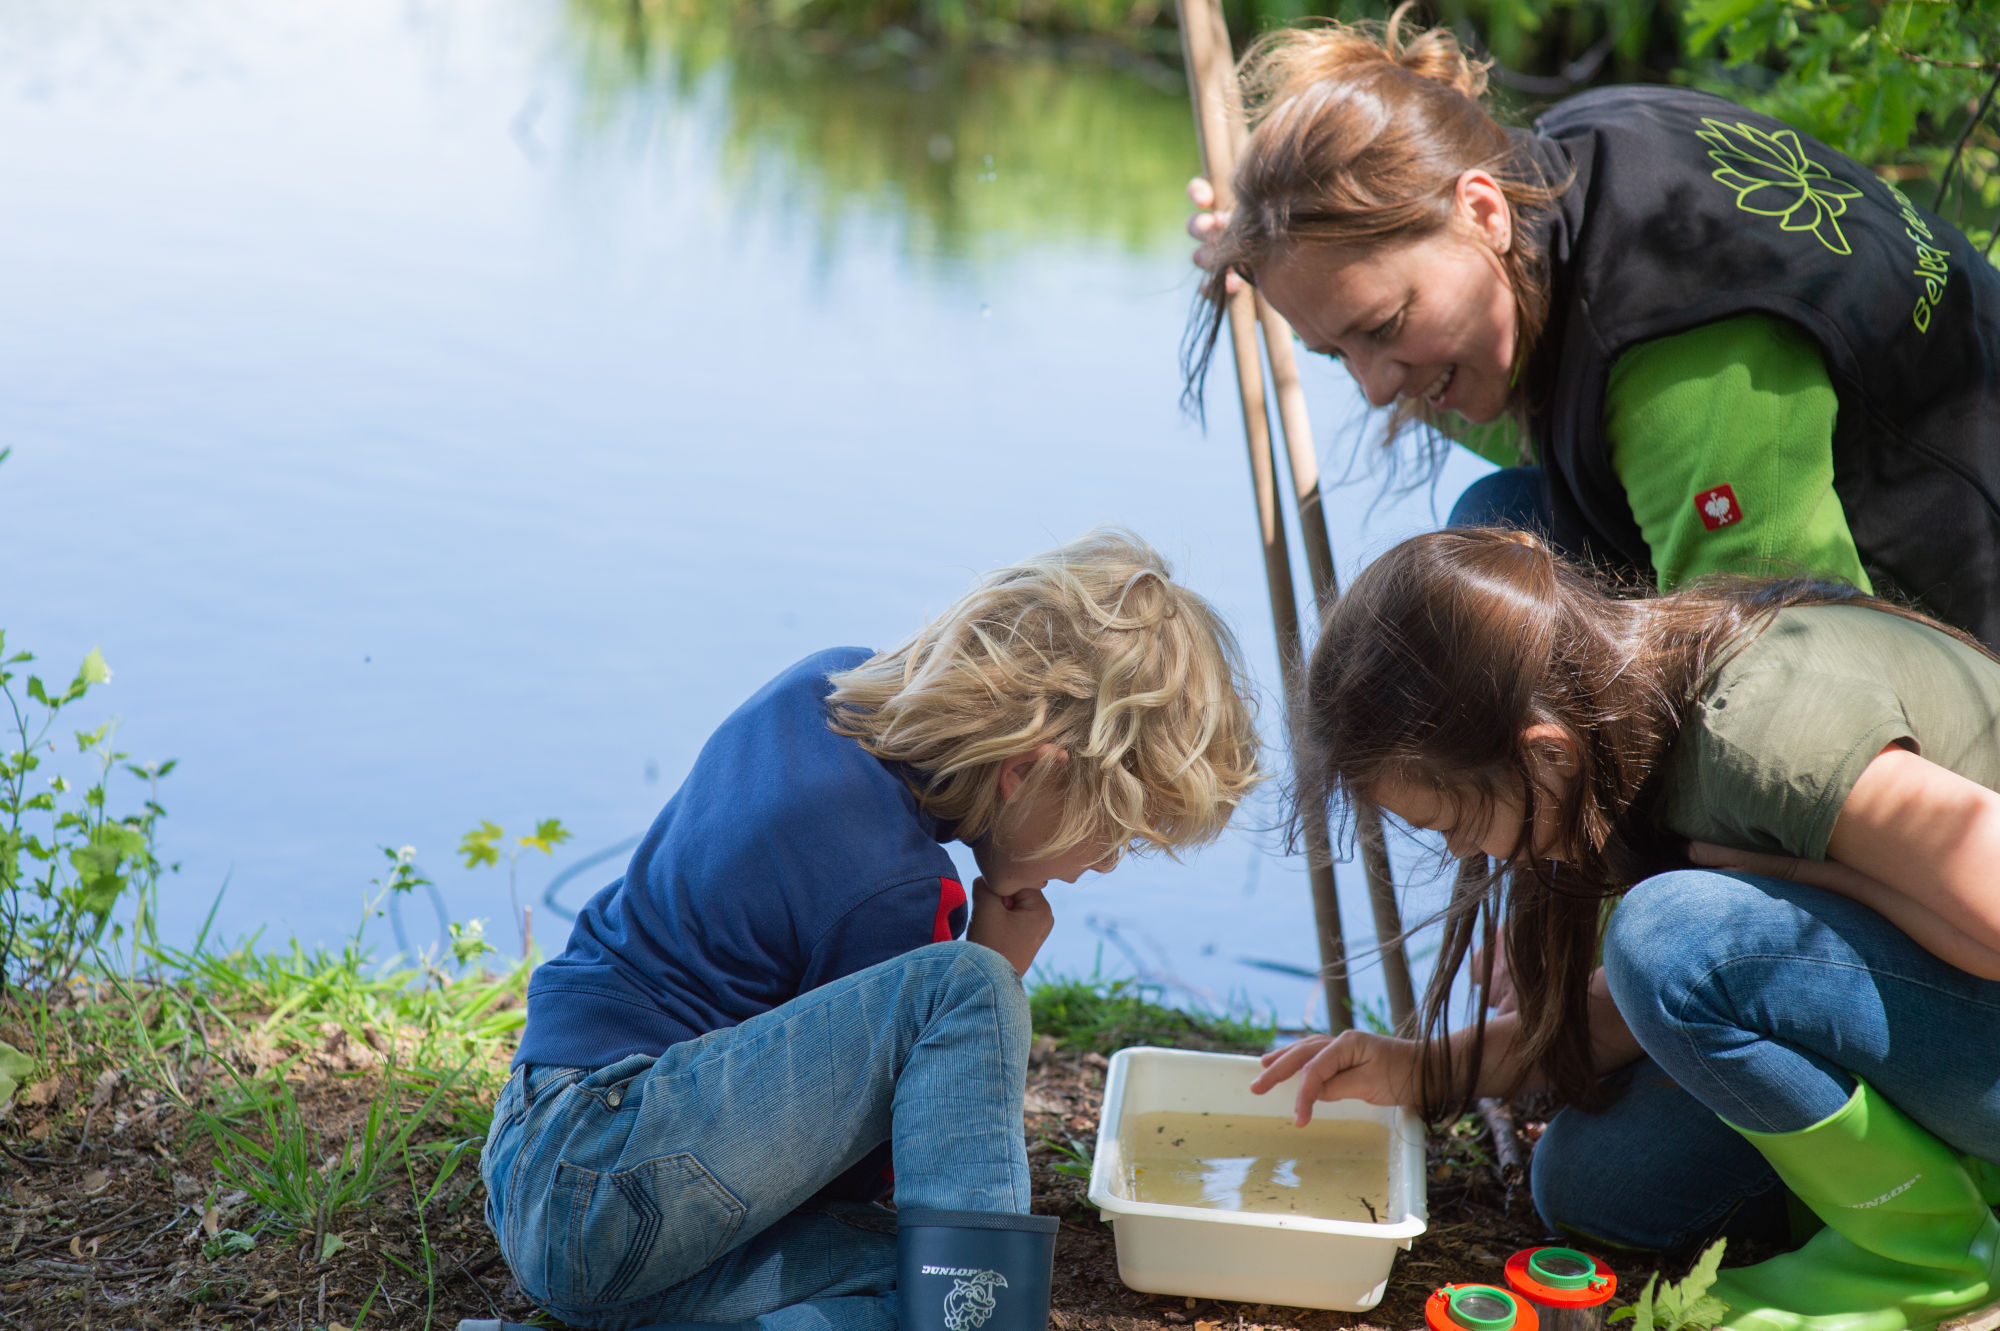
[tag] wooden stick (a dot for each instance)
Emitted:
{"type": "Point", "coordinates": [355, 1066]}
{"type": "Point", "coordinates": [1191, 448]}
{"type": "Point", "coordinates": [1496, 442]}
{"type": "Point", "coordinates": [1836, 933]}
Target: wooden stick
{"type": "Point", "coordinates": [1297, 428]}
{"type": "Point", "coordinates": [1212, 86]}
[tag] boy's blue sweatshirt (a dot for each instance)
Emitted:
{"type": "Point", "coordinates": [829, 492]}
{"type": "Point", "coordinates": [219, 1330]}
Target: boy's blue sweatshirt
{"type": "Point", "coordinates": [789, 857]}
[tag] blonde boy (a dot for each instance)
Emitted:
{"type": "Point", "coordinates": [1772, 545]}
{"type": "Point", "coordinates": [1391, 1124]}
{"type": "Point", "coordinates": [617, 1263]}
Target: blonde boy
{"type": "Point", "coordinates": [774, 993]}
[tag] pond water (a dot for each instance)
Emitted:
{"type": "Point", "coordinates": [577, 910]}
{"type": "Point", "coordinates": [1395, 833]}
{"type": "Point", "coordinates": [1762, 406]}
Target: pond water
{"type": "Point", "coordinates": [440, 411]}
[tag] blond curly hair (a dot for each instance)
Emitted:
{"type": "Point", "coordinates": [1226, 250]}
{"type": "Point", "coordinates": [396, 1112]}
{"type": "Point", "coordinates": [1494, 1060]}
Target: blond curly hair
{"type": "Point", "coordinates": [1135, 683]}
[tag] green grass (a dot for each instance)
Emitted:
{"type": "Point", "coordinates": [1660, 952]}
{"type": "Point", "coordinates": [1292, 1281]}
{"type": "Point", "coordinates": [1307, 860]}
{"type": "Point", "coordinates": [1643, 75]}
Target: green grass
{"type": "Point", "coordinates": [342, 1099]}
{"type": "Point", "coordinates": [347, 1104]}
{"type": "Point", "coordinates": [1098, 1015]}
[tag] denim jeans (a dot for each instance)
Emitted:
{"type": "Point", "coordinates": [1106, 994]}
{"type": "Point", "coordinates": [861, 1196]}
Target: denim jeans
{"type": "Point", "coordinates": [1759, 1001]}
{"type": "Point", "coordinates": [683, 1188]}
{"type": "Point", "coordinates": [1514, 497]}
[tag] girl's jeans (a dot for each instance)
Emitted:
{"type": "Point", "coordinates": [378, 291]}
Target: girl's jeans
{"type": "Point", "coordinates": [1760, 1001]}
{"type": "Point", "coordinates": [677, 1188]}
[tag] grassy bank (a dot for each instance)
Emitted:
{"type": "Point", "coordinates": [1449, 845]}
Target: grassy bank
{"type": "Point", "coordinates": [286, 1137]}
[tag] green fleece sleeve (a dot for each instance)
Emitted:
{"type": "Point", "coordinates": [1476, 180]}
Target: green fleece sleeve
{"type": "Point", "coordinates": [1723, 438]}
{"type": "Point", "coordinates": [1499, 442]}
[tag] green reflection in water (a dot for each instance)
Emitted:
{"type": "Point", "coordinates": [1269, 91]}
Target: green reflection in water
{"type": "Point", "coordinates": [971, 154]}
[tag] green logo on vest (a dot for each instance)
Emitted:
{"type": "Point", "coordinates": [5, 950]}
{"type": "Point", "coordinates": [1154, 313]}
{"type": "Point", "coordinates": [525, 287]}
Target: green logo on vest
{"type": "Point", "coordinates": [1773, 177]}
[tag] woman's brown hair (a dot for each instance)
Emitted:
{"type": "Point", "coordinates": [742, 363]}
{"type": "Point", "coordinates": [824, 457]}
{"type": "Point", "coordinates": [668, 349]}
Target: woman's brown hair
{"type": "Point", "coordinates": [1431, 671]}
{"type": "Point", "coordinates": [1360, 132]}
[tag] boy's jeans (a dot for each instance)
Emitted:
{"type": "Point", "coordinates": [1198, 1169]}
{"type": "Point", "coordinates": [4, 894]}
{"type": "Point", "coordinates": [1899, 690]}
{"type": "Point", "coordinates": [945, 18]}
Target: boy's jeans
{"type": "Point", "coordinates": [1759, 1000]}
{"type": "Point", "coordinates": [676, 1188]}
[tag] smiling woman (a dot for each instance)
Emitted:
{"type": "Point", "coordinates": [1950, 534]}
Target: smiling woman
{"type": "Point", "coordinates": [1433, 320]}
{"type": "Point", "coordinates": [1724, 346]}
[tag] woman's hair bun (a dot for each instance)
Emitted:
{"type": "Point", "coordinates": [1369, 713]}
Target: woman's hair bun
{"type": "Point", "coordinates": [1435, 53]}
{"type": "Point", "coordinates": [1286, 62]}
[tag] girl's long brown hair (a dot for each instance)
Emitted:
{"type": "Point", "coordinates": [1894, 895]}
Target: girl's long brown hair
{"type": "Point", "coordinates": [1430, 671]}
{"type": "Point", "coordinates": [1360, 132]}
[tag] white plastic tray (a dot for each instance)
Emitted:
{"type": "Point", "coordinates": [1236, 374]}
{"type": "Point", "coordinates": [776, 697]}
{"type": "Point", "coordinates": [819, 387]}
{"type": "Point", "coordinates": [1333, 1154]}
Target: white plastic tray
{"type": "Point", "coordinates": [1289, 1260]}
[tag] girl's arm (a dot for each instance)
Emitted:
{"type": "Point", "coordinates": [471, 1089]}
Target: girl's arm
{"type": "Point", "coordinates": [1382, 1070]}
{"type": "Point", "coordinates": [1917, 844]}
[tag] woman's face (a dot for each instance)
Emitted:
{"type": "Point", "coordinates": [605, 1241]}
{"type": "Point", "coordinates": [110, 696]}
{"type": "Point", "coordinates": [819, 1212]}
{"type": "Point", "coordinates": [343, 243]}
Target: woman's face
{"type": "Point", "coordinates": [1434, 318]}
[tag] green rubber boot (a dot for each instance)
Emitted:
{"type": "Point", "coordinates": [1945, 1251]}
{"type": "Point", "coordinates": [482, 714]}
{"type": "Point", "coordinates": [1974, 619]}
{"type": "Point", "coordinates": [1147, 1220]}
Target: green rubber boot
{"type": "Point", "coordinates": [1908, 1241]}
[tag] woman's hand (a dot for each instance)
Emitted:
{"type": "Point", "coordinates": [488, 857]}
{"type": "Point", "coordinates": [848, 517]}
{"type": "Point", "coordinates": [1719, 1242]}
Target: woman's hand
{"type": "Point", "coordinates": [1015, 925]}
{"type": "Point", "coordinates": [1353, 1065]}
{"type": "Point", "coordinates": [1206, 225]}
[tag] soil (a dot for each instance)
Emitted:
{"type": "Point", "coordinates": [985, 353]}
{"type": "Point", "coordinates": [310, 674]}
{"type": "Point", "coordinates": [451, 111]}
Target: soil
{"type": "Point", "coordinates": [112, 1216]}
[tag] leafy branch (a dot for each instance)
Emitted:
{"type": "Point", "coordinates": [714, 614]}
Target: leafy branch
{"type": "Point", "coordinates": [486, 844]}
{"type": "Point", "coordinates": [1683, 1306]}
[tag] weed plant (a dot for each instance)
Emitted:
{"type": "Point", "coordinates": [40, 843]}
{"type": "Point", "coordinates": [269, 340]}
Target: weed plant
{"type": "Point", "coordinates": [1098, 1015]}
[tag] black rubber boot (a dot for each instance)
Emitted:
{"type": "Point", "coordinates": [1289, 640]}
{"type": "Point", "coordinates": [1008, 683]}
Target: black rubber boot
{"type": "Point", "coordinates": [973, 1270]}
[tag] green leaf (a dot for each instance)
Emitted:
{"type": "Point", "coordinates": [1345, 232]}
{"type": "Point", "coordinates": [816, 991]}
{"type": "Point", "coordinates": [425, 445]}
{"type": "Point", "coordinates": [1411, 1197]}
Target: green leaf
{"type": "Point", "coordinates": [14, 1065]}
{"type": "Point", "coordinates": [228, 1243]}
{"type": "Point", "coordinates": [93, 670]}
{"type": "Point", "coordinates": [468, 941]}
{"type": "Point", "coordinates": [1642, 1311]}
{"type": "Point", "coordinates": [1710, 17]}
{"type": "Point", "coordinates": [37, 692]}
{"type": "Point", "coordinates": [329, 1245]}
{"type": "Point", "coordinates": [99, 866]}
{"type": "Point", "coordinates": [549, 833]}
{"type": "Point", "coordinates": [480, 845]}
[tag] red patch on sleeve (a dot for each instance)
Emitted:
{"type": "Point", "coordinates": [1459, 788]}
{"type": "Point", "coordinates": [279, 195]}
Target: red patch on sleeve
{"type": "Point", "coordinates": [1718, 507]}
{"type": "Point", "coordinates": [951, 897]}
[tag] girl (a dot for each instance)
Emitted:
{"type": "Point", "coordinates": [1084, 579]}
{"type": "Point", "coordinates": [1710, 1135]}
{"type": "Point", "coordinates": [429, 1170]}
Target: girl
{"type": "Point", "coordinates": [1730, 346]}
{"type": "Point", "coordinates": [1826, 984]}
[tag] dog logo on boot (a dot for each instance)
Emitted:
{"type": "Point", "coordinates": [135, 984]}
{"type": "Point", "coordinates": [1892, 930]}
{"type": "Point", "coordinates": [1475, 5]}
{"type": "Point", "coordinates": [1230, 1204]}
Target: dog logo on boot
{"type": "Point", "coordinates": [971, 1300]}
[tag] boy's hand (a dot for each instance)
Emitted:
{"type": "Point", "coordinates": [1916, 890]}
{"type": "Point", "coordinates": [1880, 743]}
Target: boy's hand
{"type": "Point", "coordinates": [1013, 925]}
{"type": "Point", "coordinates": [1354, 1065]}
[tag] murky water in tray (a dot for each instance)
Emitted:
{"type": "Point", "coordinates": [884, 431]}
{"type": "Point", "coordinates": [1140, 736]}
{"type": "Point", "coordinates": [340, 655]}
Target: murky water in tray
{"type": "Point", "coordinates": [440, 410]}
{"type": "Point", "coordinates": [1331, 1169]}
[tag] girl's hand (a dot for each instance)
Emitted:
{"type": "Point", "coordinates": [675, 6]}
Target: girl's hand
{"type": "Point", "coordinates": [1354, 1065]}
{"type": "Point", "coordinates": [1206, 225]}
{"type": "Point", "coordinates": [1015, 925]}
{"type": "Point", "coordinates": [1813, 873]}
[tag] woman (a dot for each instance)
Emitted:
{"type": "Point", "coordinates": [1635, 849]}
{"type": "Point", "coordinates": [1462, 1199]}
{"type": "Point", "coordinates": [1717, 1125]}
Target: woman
{"type": "Point", "coordinates": [1816, 1007]}
{"type": "Point", "coordinates": [1729, 347]}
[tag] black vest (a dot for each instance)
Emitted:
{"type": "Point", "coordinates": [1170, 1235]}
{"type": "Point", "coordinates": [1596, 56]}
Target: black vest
{"type": "Point", "coordinates": [1686, 209]}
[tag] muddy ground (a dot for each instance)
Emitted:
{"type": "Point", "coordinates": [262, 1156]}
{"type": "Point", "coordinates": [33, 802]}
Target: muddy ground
{"type": "Point", "coordinates": [112, 1216]}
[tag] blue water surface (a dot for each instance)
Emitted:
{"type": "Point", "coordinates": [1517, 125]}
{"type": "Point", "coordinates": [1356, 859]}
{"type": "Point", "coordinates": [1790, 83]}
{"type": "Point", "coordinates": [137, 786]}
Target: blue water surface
{"type": "Point", "coordinates": [435, 414]}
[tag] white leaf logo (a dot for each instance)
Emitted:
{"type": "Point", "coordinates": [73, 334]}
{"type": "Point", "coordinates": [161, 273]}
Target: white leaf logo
{"type": "Point", "coordinates": [1717, 507]}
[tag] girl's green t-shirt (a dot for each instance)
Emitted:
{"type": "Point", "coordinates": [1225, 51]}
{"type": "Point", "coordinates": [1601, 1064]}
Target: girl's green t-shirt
{"type": "Point", "coordinates": [1776, 742]}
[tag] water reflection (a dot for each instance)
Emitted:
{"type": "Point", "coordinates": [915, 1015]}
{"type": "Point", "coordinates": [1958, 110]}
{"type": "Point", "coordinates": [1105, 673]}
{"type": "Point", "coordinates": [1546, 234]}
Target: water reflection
{"type": "Point", "coordinates": [969, 154]}
{"type": "Point", "coordinates": [441, 410]}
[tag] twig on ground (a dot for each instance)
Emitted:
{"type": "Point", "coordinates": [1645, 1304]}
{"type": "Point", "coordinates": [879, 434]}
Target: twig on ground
{"type": "Point", "coordinates": [1506, 1145]}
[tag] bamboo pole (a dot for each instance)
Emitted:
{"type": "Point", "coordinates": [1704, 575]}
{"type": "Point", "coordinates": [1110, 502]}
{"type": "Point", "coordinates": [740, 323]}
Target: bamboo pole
{"type": "Point", "coordinates": [1211, 83]}
{"type": "Point", "coordinates": [1205, 42]}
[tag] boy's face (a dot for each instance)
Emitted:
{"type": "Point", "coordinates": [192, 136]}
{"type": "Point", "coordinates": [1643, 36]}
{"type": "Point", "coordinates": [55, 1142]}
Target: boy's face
{"type": "Point", "coordinates": [1010, 856]}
